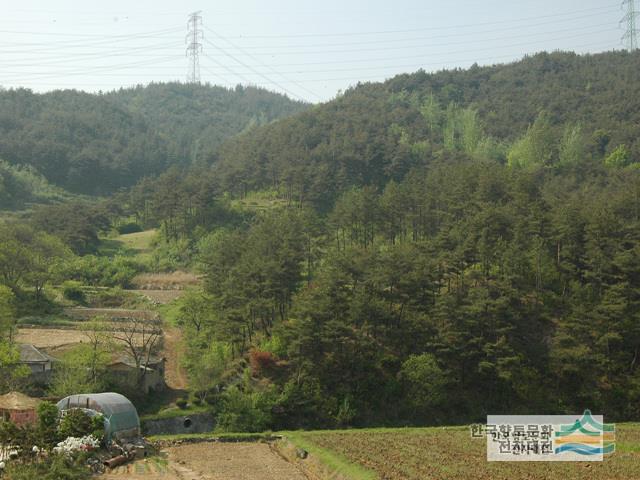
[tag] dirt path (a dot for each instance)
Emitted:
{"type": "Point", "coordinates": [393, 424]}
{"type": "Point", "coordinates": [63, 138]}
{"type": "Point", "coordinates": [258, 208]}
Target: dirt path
{"type": "Point", "coordinates": [175, 375]}
{"type": "Point", "coordinates": [212, 461]}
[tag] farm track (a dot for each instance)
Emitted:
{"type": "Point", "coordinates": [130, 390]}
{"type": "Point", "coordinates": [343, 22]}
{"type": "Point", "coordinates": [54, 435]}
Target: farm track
{"type": "Point", "coordinates": [176, 377]}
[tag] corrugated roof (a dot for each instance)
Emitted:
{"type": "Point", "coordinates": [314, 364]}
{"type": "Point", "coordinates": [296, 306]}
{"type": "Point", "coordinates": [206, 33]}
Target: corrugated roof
{"type": "Point", "coordinates": [17, 401]}
{"type": "Point", "coordinates": [30, 354]}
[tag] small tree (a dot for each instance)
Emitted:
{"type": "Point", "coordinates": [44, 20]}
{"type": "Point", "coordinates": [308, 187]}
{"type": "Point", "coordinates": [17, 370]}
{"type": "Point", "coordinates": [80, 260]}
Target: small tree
{"type": "Point", "coordinates": [424, 382]}
{"type": "Point", "coordinates": [619, 158]}
{"type": "Point", "coordinates": [12, 372]}
{"type": "Point", "coordinates": [140, 338]}
{"type": "Point", "coordinates": [80, 370]}
{"type": "Point", "coordinates": [573, 146]}
{"type": "Point", "coordinates": [7, 313]}
{"type": "Point", "coordinates": [47, 424]}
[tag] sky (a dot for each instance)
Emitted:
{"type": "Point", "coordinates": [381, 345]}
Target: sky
{"type": "Point", "coordinates": [308, 50]}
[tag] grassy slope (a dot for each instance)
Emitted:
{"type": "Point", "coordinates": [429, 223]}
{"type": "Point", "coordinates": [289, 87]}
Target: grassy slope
{"type": "Point", "coordinates": [439, 453]}
{"type": "Point", "coordinates": [136, 245]}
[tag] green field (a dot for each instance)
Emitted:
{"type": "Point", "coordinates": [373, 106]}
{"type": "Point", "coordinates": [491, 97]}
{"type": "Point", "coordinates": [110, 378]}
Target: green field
{"type": "Point", "coordinates": [451, 454]}
{"type": "Point", "coordinates": [134, 244]}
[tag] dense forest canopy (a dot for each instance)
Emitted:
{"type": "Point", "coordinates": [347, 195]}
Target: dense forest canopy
{"type": "Point", "coordinates": [96, 144]}
{"type": "Point", "coordinates": [378, 131]}
{"type": "Point", "coordinates": [196, 119]}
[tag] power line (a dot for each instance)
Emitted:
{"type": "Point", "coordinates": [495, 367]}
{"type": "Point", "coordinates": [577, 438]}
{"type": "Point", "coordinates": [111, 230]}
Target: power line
{"type": "Point", "coordinates": [221, 65]}
{"type": "Point", "coordinates": [90, 35]}
{"type": "Point", "coordinates": [265, 65]}
{"type": "Point", "coordinates": [84, 70]}
{"type": "Point", "coordinates": [566, 37]}
{"type": "Point", "coordinates": [253, 70]}
{"type": "Point", "coordinates": [630, 36]}
{"type": "Point", "coordinates": [398, 47]}
{"type": "Point", "coordinates": [117, 53]}
{"type": "Point", "coordinates": [194, 46]}
{"type": "Point", "coordinates": [494, 60]}
{"type": "Point", "coordinates": [609, 7]}
{"type": "Point", "coordinates": [431, 37]}
{"type": "Point", "coordinates": [422, 66]}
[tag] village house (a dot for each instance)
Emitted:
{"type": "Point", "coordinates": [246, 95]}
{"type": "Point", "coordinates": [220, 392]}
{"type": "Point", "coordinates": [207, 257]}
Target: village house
{"type": "Point", "coordinates": [18, 408]}
{"type": "Point", "coordinates": [124, 370]}
{"type": "Point", "coordinates": [40, 363]}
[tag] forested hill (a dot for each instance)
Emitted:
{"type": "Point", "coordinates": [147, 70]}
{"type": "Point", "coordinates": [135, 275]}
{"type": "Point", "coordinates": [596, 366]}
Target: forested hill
{"type": "Point", "coordinates": [95, 144]}
{"type": "Point", "coordinates": [379, 131]}
{"type": "Point", "coordinates": [196, 119]}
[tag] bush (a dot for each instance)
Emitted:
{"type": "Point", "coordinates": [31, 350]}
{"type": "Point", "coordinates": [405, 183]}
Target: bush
{"type": "Point", "coordinates": [261, 362]}
{"type": "Point", "coordinates": [275, 345]}
{"type": "Point", "coordinates": [245, 412]}
{"type": "Point", "coordinates": [102, 271]}
{"type": "Point", "coordinates": [172, 255]}
{"type": "Point", "coordinates": [72, 290]}
{"type": "Point", "coordinates": [182, 403]}
{"type": "Point", "coordinates": [130, 227]}
{"type": "Point", "coordinates": [55, 467]}
{"type": "Point", "coordinates": [76, 423]}
{"type": "Point", "coordinates": [303, 405]}
{"type": "Point", "coordinates": [47, 423]}
{"type": "Point", "coordinates": [425, 384]}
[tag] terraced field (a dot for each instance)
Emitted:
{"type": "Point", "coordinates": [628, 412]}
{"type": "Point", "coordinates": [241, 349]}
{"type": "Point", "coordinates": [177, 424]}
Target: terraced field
{"type": "Point", "coordinates": [451, 454]}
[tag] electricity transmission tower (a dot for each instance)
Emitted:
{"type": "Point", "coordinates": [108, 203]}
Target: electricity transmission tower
{"type": "Point", "coordinates": [194, 39]}
{"type": "Point", "coordinates": [630, 37]}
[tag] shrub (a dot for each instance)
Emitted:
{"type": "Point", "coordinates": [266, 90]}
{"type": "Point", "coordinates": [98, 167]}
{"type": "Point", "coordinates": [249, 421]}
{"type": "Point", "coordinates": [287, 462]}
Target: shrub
{"type": "Point", "coordinates": [275, 345]}
{"type": "Point", "coordinates": [172, 255]}
{"type": "Point", "coordinates": [425, 383]}
{"type": "Point", "coordinates": [55, 467]}
{"type": "Point", "coordinates": [182, 403]}
{"type": "Point", "coordinates": [619, 158]}
{"type": "Point", "coordinates": [245, 411]}
{"type": "Point", "coordinates": [102, 271]}
{"type": "Point", "coordinates": [130, 227]}
{"type": "Point", "coordinates": [77, 423]}
{"type": "Point", "coordinates": [261, 362]}
{"type": "Point", "coordinates": [47, 423]}
{"type": "Point", "coordinates": [346, 413]}
{"type": "Point", "coordinates": [72, 290]}
{"type": "Point", "coordinates": [302, 404]}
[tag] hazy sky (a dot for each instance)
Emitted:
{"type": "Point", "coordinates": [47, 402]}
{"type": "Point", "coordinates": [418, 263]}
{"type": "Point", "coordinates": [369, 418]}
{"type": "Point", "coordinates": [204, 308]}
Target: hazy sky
{"type": "Point", "coordinates": [307, 49]}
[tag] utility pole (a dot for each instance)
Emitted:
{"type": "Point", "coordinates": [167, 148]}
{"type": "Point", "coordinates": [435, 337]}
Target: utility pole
{"type": "Point", "coordinates": [630, 37]}
{"type": "Point", "coordinates": [194, 39]}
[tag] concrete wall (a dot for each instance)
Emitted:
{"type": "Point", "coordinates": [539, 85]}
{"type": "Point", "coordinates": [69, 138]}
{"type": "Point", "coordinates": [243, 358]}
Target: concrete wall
{"type": "Point", "coordinates": [199, 423]}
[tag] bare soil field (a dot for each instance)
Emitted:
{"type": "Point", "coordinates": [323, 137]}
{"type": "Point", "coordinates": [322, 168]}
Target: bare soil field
{"type": "Point", "coordinates": [51, 338]}
{"type": "Point", "coordinates": [212, 461]}
{"type": "Point", "coordinates": [165, 281]}
{"type": "Point", "coordinates": [82, 313]}
{"type": "Point", "coordinates": [159, 296]}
